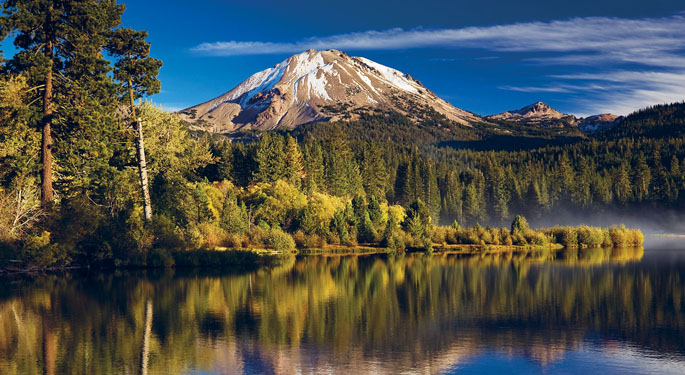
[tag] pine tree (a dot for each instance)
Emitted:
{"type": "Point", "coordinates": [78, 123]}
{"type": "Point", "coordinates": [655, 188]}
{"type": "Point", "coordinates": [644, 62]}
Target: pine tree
{"type": "Point", "coordinates": [500, 192]}
{"type": "Point", "coordinates": [293, 162]}
{"type": "Point", "coordinates": [270, 158]}
{"type": "Point", "coordinates": [451, 197]}
{"type": "Point", "coordinates": [314, 168]}
{"type": "Point", "coordinates": [61, 39]}
{"type": "Point", "coordinates": [233, 215]}
{"type": "Point", "coordinates": [431, 191]}
{"type": "Point", "coordinates": [341, 170]}
{"type": "Point", "coordinates": [339, 226]}
{"type": "Point", "coordinates": [373, 172]}
{"type": "Point", "coordinates": [374, 209]}
{"type": "Point", "coordinates": [418, 224]}
{"type": "Point", "coordinates": [137, 74]}
{"type": "Point", "coordinates": [203, 212]}
{"type": "Point", "coordinates": [642, 178]}
{"type": "Point", "coordinates": [519, 226]}
{"type": "Point", "coordinates": [623, 189]}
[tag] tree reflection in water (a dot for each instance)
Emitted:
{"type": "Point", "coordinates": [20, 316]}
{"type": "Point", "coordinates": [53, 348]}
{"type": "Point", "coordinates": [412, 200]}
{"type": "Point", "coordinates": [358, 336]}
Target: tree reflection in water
{"type": "Point", "coordinates": [380, 313]}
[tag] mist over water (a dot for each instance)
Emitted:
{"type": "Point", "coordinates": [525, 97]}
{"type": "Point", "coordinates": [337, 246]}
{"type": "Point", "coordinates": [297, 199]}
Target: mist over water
{"type": "Point", "coordinates": [568, 311]}
{"type": "Point", "coordinates": [649, 220]}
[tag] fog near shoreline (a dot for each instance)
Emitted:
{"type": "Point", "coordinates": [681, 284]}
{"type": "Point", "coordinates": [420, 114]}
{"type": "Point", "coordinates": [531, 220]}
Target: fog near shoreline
{"type": "Point", "coordinates": [650, 221]}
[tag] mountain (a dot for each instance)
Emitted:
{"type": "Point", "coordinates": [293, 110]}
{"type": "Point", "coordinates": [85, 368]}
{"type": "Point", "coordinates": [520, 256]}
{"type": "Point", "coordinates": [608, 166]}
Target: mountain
{"type": "Point", "coordinates": [541, 114]}
{"type": "Point", "coordinates": [536, 114]}
{"type": "Point", "coordinates": [601, 122]}
{"type": "Point", "coordinates": [319, 86]}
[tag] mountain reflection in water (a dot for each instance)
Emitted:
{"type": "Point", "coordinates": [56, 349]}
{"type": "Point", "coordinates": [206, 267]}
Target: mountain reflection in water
{"type": "Point", "coordinates": [617, 309]}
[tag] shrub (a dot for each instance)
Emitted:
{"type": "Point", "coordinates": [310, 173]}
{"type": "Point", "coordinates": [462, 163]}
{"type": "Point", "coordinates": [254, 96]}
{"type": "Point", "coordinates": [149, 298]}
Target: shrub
{"type": "Point", "coordinates": [299, 238]}
{"type": "Point", "coordinates": [314, 241]}
{"type": "Point", "coordinates": [606, 238]}
{"type": "Point", "coordinates": [635, 237]}
{"type": "Point", "coordinates": [159, 258]}
{"type": "Point", "coordinates": [589, 236]}
{"type": "Point", "coordinates": [394, 242]}
{"type": "Point", "coordinates": [439, 234]}
{"type": "Point", "coordinates": [213, 236]}
{"type": "Point", "coordinates": [519, 226]}
{"type": "Point", "coordinates": [166, 235]}
{"type": "Point", "coordinates": [566, 236]}
{"type": "Point", "coordinates": [485, 236]}
{"type": "Point", "coordinates": [236, 241]}
{"type": "Point", "coordinates": [469, 236]}
{"type": "Point", "coordinates": [518, 240]}
{"type": "Point", "coordinates": [495, 235]}
{"type": "Point", "coordinates": [538, 239]}
{"type": "Point", "coordinates": [619, 236]}
{"type": "Point", "coordinates": [333, 238]}
{"type": "Point", "coordinates": [280, 241]}
{"type": "Point", "coordinates": [37, 251]}
{"type": "Point", "coordinates": [367, 233]}
{"type": "Point", "coordinates": [452, 236]}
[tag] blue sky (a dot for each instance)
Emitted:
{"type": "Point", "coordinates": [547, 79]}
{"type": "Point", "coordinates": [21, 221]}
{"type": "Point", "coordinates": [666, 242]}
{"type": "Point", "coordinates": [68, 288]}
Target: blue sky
{"type": "Point", "coordinates": [486, 56]}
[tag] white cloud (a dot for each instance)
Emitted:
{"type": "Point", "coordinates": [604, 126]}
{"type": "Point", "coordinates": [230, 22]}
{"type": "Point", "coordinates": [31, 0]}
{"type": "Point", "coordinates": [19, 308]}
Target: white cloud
{"type": "Point", "coordinates": [631, 90]}
{"type": "Point", "coordinates": [650, 41]}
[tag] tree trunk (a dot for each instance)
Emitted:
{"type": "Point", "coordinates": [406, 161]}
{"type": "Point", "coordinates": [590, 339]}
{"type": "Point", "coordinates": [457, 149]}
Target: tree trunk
{"type": "Point", "coordinates": [46, 147]}
{"type": "Point", "coordinates": [142, 165]}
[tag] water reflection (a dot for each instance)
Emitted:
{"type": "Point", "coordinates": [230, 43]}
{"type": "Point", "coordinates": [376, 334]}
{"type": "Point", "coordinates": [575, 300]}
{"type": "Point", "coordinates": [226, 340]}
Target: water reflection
{"type": "Point", "coordinates": [370, 314]}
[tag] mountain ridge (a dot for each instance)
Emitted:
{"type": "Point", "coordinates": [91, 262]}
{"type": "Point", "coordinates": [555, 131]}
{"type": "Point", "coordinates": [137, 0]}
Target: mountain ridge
{"type": "Point", "coordinates": [543, 115]}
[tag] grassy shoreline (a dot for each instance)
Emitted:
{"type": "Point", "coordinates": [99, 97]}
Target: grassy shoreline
{"type": "Point", "coordinates": [444, 240]}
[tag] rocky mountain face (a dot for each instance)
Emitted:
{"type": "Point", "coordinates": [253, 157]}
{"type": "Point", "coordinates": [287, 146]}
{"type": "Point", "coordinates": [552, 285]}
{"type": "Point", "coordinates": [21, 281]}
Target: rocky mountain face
{"type": "Point", "coordinates": [315, 86]}
{"type": "Point", "coordinates": [541, 114]}
{"type": "Point", "coordinates": [535, 113]}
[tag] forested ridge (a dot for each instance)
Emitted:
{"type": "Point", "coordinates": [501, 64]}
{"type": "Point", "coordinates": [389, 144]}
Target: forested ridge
{"type": "Point", "coordinates": [79, 156]}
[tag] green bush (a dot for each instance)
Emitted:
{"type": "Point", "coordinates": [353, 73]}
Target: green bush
{"type": "Point", "coordinates": [538, 238]}
{"type": "Point", "coordinates": [159, 258]}
{"type": "Point", "coordinates": [439, 234]}
{"type": "Point", "coordinates": [314, 241]}
{"type": "Point", "coordinates": [590, 236]}
{"type": "Point", "coordinates": [566, 236]}
{"type": "Point", "coordinates": [635, 237]}
{"type": "Point", "coordinates": [619, 236]}
{"type": "Point", "coordinates": [280, 241]}
{"type": "Point", "coordinates": [166, 234]}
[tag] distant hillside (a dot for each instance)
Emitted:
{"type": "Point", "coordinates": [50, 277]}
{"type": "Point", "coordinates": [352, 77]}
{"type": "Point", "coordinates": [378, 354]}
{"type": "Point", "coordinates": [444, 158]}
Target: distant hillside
{"type": "Point", "coordinates": [664, 120]}
{"type": "Point", "coordinates": [542, 115]}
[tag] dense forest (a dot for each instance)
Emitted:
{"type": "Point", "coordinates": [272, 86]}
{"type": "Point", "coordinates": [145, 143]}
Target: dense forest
{"type": "Point", "coordinates": [89, 176]}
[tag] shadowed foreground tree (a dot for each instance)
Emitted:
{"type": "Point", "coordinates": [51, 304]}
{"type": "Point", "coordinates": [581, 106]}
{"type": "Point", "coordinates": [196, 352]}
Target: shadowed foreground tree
{"type": "Point", "coordinates": [58, 41]}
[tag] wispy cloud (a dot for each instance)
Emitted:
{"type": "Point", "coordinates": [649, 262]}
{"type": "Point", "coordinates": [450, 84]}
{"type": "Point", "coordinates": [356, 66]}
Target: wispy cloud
{"type": "Point", "coordinates": [626, 39]}
{"type": "Point", "coordinates": [631, 90]}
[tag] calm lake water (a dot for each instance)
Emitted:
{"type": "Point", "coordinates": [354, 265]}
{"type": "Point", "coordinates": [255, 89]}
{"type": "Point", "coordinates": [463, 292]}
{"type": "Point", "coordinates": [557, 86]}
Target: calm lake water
{"type": "Point", "coordinates": [618, 311]}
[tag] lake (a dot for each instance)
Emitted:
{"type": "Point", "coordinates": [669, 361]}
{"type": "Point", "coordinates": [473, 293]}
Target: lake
{"type": "Point", "coordinates": [621, 311]}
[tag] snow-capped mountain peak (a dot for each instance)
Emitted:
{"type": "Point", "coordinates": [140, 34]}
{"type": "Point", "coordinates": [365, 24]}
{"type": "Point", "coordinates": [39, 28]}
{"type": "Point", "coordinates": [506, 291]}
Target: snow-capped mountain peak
{"type": "Point", "coordinates": [318, 85]}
